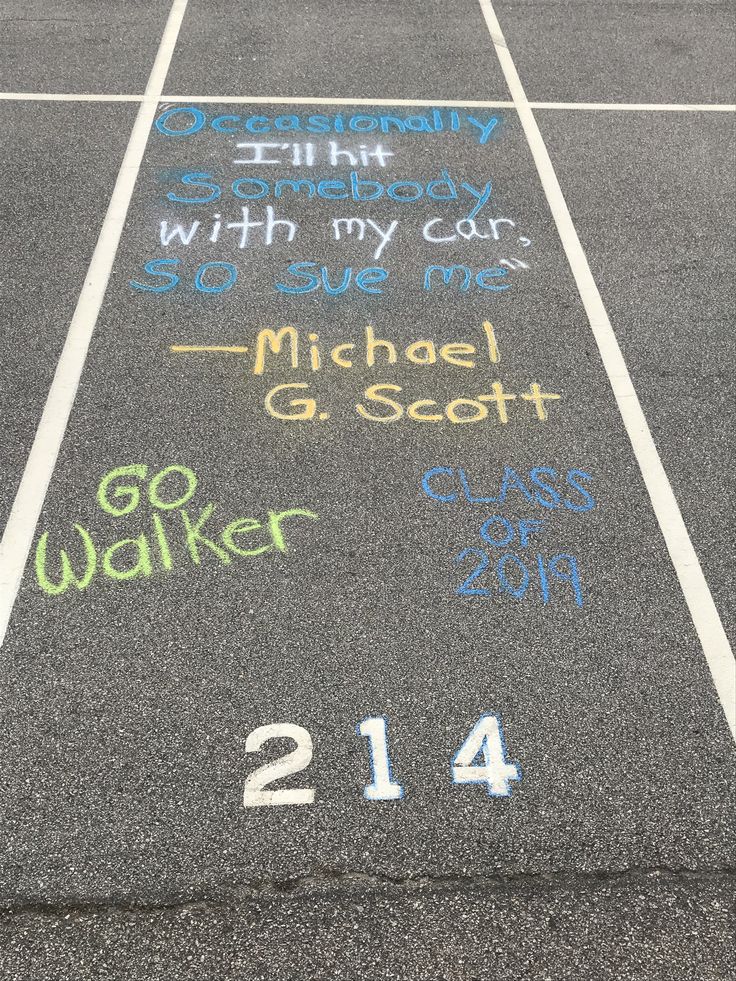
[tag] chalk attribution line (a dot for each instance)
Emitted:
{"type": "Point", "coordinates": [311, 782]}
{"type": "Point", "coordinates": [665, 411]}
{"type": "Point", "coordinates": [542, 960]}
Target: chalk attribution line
{"type": "Point", "coordinates": [19, 531]}
{"type": "Point", "coordinates": [697, 594]}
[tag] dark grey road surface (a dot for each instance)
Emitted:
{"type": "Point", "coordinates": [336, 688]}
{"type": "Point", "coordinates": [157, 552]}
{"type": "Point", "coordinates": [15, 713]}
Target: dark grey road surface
{"type": "Point", "coordinates": [127, 705]}
{"type": "Point", "coordinates": [78, 46]}
{"type": "Point", "coordinates": [60, 166]}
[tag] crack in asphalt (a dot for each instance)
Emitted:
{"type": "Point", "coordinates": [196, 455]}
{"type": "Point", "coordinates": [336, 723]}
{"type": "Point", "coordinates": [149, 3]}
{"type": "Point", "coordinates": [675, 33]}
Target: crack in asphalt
{"type": "Point", "coordinates": [345, 881]}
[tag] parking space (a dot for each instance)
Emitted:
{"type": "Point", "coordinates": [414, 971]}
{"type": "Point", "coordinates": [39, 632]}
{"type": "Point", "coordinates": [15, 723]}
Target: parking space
{"type": "Point", "coordinates": [417, 49]}
{"type": "Point", "coordinates": [657, 226]}
{"type": "Point", "coordinates": [387, 512]}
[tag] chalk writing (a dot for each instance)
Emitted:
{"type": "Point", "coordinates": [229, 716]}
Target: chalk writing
{"type": "Point", "coordinates": [187, 120]}
{"type": "Point", "coordinates": [511, 575]}
{"type": "Point", "coordinates": [271, 176]}
{"type": "Point", "coordinates": [210, 277]}
{"type": "Point", "coordinates": [358, 189]}
{"type": "Point", "coordinates": [541, 487]}
{"type": "Point", "coordinates": [270, 343]}
{"type": "Point", "coordinates": [348, 225]}
{"type": "Point", "coordinates": [308, 154]}
{"type": "Point", "coordinates": [493, 566]}
{"type": "Point", "coordinates": [467, 229]}
{"type": "Point", "coordinates": [366, 280]}
{"type": "Point", "coordinates": [242, 229]}
{"type": "Point", "coordinates": [286, 348]}
{"type": "Point", "coordinates": [159, 546]}
{"type": "Point", "coordinates": [364, 229]}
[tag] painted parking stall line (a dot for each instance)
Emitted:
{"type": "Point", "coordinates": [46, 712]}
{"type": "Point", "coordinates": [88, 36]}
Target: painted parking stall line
{"type": "Point", "coordinates": [68, 97]}
{"type": "Point", "coordinates": [426, 103]}
{"type": "Point", "coordinates": [634, 106]}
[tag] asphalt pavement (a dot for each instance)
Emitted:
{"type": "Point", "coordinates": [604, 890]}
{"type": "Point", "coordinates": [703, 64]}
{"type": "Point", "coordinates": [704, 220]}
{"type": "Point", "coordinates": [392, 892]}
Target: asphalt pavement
{"type": "Point", "coordinates": [342, 467]}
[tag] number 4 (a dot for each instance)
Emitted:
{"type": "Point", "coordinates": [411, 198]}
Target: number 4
{"type": "Point", "coordinates": [486, 738]}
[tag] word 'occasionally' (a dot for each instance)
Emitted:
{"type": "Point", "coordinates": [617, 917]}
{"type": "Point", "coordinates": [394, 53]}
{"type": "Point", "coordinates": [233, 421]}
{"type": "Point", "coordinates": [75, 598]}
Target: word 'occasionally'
{"type": "Point", "coordinates": [130, 558]}
{"type": "Point", "coordinates": [188, 120]}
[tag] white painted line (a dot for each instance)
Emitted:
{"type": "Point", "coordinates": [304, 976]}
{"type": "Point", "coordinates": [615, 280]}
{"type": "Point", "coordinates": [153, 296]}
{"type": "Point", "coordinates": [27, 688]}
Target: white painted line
{"type": "Point", "coordinates": [263, 100]}
{"type": "Point", "coordinates": [18, 537]}
{"type": "Point", "coordinates": [67, 97]}
{"type": "Point", "coordinates": [703, 611]}
{"type": "Point", "coordinates": [635, 106]}
{"type": "Point", "coordinates": [451, 103]}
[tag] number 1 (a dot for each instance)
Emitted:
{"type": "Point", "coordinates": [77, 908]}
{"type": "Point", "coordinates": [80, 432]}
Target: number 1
{"type": "Point", "coordinates": [383, 786]}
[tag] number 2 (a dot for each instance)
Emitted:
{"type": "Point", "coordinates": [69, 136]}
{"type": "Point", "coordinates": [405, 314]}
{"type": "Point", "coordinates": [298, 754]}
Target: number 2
{"type": "Point", "coordinates": [298, 759]}
{"type": "Point", "coordinates": [465, 589]}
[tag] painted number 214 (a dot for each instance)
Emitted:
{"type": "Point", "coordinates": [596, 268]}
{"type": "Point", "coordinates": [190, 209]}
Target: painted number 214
{"type": "Point", "coordinates": [480, 759]}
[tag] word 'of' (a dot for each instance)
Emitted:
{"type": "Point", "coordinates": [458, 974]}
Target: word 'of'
{"type": "Point", "coordinates": [136, 557]}
{"type": "Point", "coordinates": [481, 759]}
{"type": "Point", "coordinates": [187, 120]}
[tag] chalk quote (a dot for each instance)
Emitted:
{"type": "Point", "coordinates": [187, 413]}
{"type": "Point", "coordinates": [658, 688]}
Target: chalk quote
{"type": "Point", "coordinates": [282, 160]}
